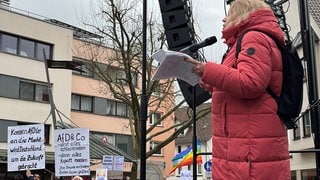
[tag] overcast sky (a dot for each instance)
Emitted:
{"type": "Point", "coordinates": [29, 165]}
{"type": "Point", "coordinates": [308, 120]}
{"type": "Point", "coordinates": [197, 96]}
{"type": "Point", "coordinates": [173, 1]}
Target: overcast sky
{"type": "Point", "coordinates": [207, 14]}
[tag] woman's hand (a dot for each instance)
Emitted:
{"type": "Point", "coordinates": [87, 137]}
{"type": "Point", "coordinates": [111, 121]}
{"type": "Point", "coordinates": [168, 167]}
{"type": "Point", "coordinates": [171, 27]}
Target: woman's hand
{"type": "Point", "coordinates": [198, 66]}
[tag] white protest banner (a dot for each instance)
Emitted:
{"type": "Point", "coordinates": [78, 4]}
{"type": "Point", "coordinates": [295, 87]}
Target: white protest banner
{"type": "Point", "coordinates": [107, 162]}
{"type": "Point", "coordinates": [26, 147]}
{"type": "Point", "coordinates": [72, 152]}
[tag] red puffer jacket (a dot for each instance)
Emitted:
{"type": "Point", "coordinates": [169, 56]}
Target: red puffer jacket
{"type": "Point", "coordinates": [249, 140]}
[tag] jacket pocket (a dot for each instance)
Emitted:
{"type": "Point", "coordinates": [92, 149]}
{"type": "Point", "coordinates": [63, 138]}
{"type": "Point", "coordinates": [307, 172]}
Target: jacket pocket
{"type": "Point", "coordinates": [219, 114]}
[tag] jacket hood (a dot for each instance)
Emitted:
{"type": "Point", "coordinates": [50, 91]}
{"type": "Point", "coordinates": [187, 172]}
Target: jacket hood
{"type": "Point", "coordinates": [261, 19]}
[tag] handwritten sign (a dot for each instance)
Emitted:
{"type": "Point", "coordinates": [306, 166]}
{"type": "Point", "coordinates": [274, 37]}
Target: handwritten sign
{"type": "Point", "coordinates": [101, 174]}
{"type": "Point", "coordinates": [26, 147]}
{"type": "Point", "coordinates": [107, 162]}
{"type": "Point", "coordinates": [118, 163]}
{"type": "Point", "coordinates": [72, 152]}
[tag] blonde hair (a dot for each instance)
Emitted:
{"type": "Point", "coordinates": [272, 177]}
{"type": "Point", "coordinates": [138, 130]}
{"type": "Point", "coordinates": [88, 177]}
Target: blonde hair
{"type": "Point", "coordinates": [240, 9]}
{"type": "Point", "coordinates": [77, 178]}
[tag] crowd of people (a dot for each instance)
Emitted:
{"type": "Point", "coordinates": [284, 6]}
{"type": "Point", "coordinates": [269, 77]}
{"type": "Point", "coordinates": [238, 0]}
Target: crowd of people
{"type": "Point", "coordinates": [29, 176]}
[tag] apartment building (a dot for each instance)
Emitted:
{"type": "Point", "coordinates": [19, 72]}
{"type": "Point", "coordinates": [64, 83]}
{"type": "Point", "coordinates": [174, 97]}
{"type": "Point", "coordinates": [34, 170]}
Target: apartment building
{"type": "Point", "coordinates": [23, 82]}
{"type": "Point", "coordinates": [24, 93]}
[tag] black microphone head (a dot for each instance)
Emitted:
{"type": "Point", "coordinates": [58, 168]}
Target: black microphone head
{"type": "Point", "coordinates": [229, 1]}
{"type": "Point", "coordinates": [193, 48]}
{"type": "Point", "coordinates": [211, 40]}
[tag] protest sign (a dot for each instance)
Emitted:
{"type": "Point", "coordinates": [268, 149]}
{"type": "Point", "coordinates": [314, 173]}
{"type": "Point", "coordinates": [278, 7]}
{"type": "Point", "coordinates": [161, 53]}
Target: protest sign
{"type": "Point", "coordinates": [101, 174]}
{"type": "Point", "coordinates": [72, 152]}
{"type": "Point", "coordinates": [107, 162]}
{"type": "Point", "coordinates": [26, 147]}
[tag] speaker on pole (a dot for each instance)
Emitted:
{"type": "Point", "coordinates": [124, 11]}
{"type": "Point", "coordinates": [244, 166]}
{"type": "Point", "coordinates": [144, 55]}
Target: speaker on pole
{"type": "Point", "coordinates": [176, 18]}
{"type": "Point", "coordinates": [179, 38]}
{"type": "Point", "coordinates": [168, 5]}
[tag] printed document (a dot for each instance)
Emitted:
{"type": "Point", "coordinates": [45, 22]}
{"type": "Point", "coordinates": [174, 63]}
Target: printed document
{"type": "Point", "coordinates": [172, 65]}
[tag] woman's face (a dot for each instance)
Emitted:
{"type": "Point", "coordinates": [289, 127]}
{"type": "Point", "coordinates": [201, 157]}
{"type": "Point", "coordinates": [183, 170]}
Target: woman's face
{"type": "Point", "coordinates": [226, 22]}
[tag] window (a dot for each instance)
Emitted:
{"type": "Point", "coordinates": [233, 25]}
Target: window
{"type": "Point", "coordinates": [41, 93]}
{"type": "Point", "coordinates": [9, 44]}
{"type": "Point", "coordinates": [75, 102]}
{"type": "Point", "coordinates": [81, 103]}
{"type": "Point", "coordinates": [4, 129]}
{"type": "Point", "coordinates": [111, 108]}
{"type": "Point", "coordinates": [116, 108]}
{"type": "Point", "coordinates": [98, 105]}
{"type": "Point", "coordinates": [33, 92]}
{"type": "Point", "coordinates": [121, 109]}
{"type": "Point", "coordinates": [43, 47]}
{"type": "Point", "coordinates": [154, 145]}
{"type": "Point", "coordinates": [120, 76]}
{"type": "Point", "coordinates": [26, 90]}
{"type": "Point", "coordinates": [85, 70]}
{"type": "Point", "coordinates": [157, 91]}
{"type": "Point", "coordinates": [123, 147]}
{"type": "Point", "coordinates": [306, 125]}
{"type": "Point", "coordinates": [86, 103]}
{"type": "Point", "coordinates": [27, 48]}
{"type": "Point", "coordinates": [135, 79]}
{"type": "Point", "coordinates": [199, 166]}
{"type": "Point", "coordinates": [296, 133]}
{"type": "Point", "coordinates": [47, 134]}
{"type": "Point", "coordinates": [309, 174]}
{"type": "Point", "coordinates": [155, 119]}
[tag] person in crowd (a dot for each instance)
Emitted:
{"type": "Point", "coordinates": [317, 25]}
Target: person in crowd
{"type": "Point", "coordinates": [31, 176]}
{"type": "Point", "coordinates": [77, 178]}
{"type": "Point", "coordinates": [249, 140]}
{"type": "Point", "coordinates": [18, 177]}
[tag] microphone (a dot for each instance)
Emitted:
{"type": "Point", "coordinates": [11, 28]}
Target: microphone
{"type": "Point", "coordinates": [194, 47]}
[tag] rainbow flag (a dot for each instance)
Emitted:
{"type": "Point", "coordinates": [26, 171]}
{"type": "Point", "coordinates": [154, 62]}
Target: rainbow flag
{"type": "Point", "coordinates": [185, 158]}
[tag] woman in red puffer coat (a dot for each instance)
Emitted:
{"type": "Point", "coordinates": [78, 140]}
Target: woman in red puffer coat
{"type": "Point", "coordinates": [249, 139]}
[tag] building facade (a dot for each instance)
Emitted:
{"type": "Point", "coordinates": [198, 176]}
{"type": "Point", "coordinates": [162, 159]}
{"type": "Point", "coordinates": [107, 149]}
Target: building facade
{"type": "Point", "coordinates": [23, 83]}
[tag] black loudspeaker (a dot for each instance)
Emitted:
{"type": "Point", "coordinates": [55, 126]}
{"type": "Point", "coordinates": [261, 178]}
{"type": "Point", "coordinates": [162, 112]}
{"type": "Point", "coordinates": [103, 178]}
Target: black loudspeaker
{"type": "Point", "coordinates": [168, 5]}
{"type": "Point", "coordinates": [177, 38]}
{"type": "Point", "coordinates": [175, 19]}
{"type": "Point", "coordinates": [201, 95]}
{"type": "Point", "coordinates": [179, 32]}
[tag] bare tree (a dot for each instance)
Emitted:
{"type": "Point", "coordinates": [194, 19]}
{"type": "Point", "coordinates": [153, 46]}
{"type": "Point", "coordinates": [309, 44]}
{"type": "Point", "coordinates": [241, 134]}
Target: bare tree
{"type": "Point", "coordinates": [120, 24]}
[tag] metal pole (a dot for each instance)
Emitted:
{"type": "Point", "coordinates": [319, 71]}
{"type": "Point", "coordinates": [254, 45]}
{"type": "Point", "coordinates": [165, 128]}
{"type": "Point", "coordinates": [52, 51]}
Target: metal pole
{"type": "Point", "coordinates": [144, 100]}
{"type": "Point", "coordinates": [53, 107]}
{"type": "Point", "coordinates": [194, 138]}
{"type": "Point", "coordinates": [308, 53]}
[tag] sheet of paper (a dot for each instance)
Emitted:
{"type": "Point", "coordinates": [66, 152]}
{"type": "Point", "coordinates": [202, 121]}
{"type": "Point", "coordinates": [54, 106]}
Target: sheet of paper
{"type": "Point", "coordinates": [172, 65]}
